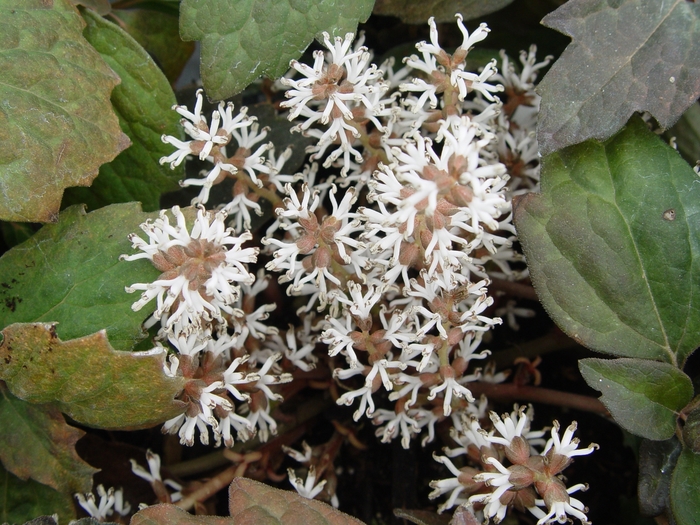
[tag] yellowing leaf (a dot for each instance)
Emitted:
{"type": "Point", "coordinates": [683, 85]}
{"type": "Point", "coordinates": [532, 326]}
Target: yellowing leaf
{"type": "Point", "coordinates": [57, 125]}
{"type": "Point", "coordinates": [87, 379]}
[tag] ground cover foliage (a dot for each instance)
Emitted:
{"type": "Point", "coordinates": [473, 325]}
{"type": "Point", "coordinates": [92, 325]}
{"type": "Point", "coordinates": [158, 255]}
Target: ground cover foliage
{"type": "Point", "coordinates": [369, 262]}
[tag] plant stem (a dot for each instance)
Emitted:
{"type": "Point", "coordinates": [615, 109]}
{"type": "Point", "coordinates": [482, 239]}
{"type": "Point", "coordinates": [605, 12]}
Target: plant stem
{"type": "Point", "coordinates": [305, 412]}
{"type": "Point", "coordinates": [511, 391]}
{"type": "Point", "coordinates": [524, 291]}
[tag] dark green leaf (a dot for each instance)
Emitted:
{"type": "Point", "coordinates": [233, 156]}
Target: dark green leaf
{"type": "Point", "coordinates": [685, 487]}
{"type": "Point", "coordinates": [57, 125]}
{"type": "Point", "coordinates": [687, 134]}
{"type": "Point", "coordinates": [691, 427]}
{"type": "Point", "coordinates": [159, 34]}
{"type": "Point", "coordinates": [36, 442]}
{"type": "Point", "coordinates": [281, 136]}
{"type": "Point", "coordinates": [70, 273]}
{"type": "Point", "coordinates": [252, 502]}
{"type": "Point", "coordinates": [657, 459]}
{"type": "Point", "coordinates": [101, 7]}
{"type": "Point", "coordinates": [244, 40]}
{"type": "Point", "coordinates": [613, 245]}
{"type": "Point", "coordinates": [627, 56]}
{"type": "Point", "coordinates": [413, 12]}
{"type": "Point", "coordinates": [14, 233]}
{"type": "Point", "coordinates": [143, 102]}
{"type": "Point", "coordinates": [643, 396]}
{"type": "Point", "coordinates": [22, 501]}
{"type": "Point", "coordinates": [87, 379]}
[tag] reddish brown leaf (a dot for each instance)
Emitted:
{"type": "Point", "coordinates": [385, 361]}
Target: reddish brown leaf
{"type": "Point", "coordinates": [254, 503]}
{"type": "Point", "coordinates": [166, 514]}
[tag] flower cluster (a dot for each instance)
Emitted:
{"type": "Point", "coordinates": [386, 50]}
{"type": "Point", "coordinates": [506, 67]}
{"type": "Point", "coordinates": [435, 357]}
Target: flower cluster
{"type": "Point", "coordinates": [393, 231]}
{"type": "Point", "coordinates": [207, 324]}
{"type": "Point", "coordinates": [533, 480]}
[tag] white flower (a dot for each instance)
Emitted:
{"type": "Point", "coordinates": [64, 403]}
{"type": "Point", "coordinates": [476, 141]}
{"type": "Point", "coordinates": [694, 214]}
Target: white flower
{"type": "Point", "coordinates": [201, 269]}
{"type": "Point", "coordinates": [451, 485]}
{"type": "Point", "coordinates": [567, 445]}
{"type": "Point", "coordinates": [560, 510]}
{"type": "Point", "coordinates": [396, 423]}
{"type": "Point", "coordinates": [265, 378]}
{"type": "Point", "coordinates": [152, 475]}
{"type": "Point", "coordinates": [184, 425]}
{"type": "Point", "coordinates": [443, 69]}
{"type": "Point", "coordinates": [451, 387]}
{"type": "Point", "coordinates": [307, 489]}
{"type": "Point", "coordinates": [111, 501]}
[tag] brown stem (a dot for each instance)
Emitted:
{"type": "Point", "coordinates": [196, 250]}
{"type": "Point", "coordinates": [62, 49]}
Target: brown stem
{"type": "Point", "coordinates": [305, 412]}
{"type": "Point", "coordinates": [511, 391]}
{"type": "Point", "coordinates": [552, 342]}
{"type": "Point", "coordinates": [208, 489]}
{"type": "Point", "coordinates": [524, 291]}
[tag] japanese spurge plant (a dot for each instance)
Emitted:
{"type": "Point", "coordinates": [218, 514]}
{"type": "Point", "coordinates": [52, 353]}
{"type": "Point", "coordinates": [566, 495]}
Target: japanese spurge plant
{"type": "Point", "coordinates": [387, 216]}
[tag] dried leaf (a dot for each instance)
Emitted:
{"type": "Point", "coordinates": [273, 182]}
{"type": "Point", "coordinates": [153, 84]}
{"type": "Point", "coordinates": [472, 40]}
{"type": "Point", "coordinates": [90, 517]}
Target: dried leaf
{"type": "Point", "coordinates": [253, 503]}
{"type": "Point", "coordinates": [626, 56]}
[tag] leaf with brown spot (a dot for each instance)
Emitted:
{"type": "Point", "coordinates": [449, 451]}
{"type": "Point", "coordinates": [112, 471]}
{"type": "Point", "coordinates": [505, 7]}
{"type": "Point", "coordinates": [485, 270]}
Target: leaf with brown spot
{"type": "Point", "coordinates": [57, 125]}
{"type": "Point", "coordinates": [252, 502]}
{"type": "Point", "coordinates": [87, 379]}
{"type": "Point", "coordinates": [36, 442]}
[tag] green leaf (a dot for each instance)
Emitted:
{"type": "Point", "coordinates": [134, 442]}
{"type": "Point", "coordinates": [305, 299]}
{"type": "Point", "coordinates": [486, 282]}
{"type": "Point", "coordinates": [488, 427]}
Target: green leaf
{"type": "Point", "coordinates": [36, 442]}
{"type": "Point", "coordinates": [22, 501]}
{"type": "Point", "coordinates": [57, 125]}
{"type": "Point", "coordinates": [413, 12]}
{"type": "Point", "coordinates": [159, 34]}
{"type": "Point", "coordinates": [244, 40]}
{"type": "Point", "coordinates": [252, 502]}
{"type": "Point", "coordinates": [685, 487]}
{"type": "Point", "coordinates": [143, 102]}
{"type": "Point", "coordinates": [626, 56]}
{"type": "Point", "coordinates": [643, 396]}
{"type": "Point", "coordinates": [87, 379]}
{"type": "Point", "coordinates": [613, 245]}
{"type": "Point", "coordinates": [70, 273]}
